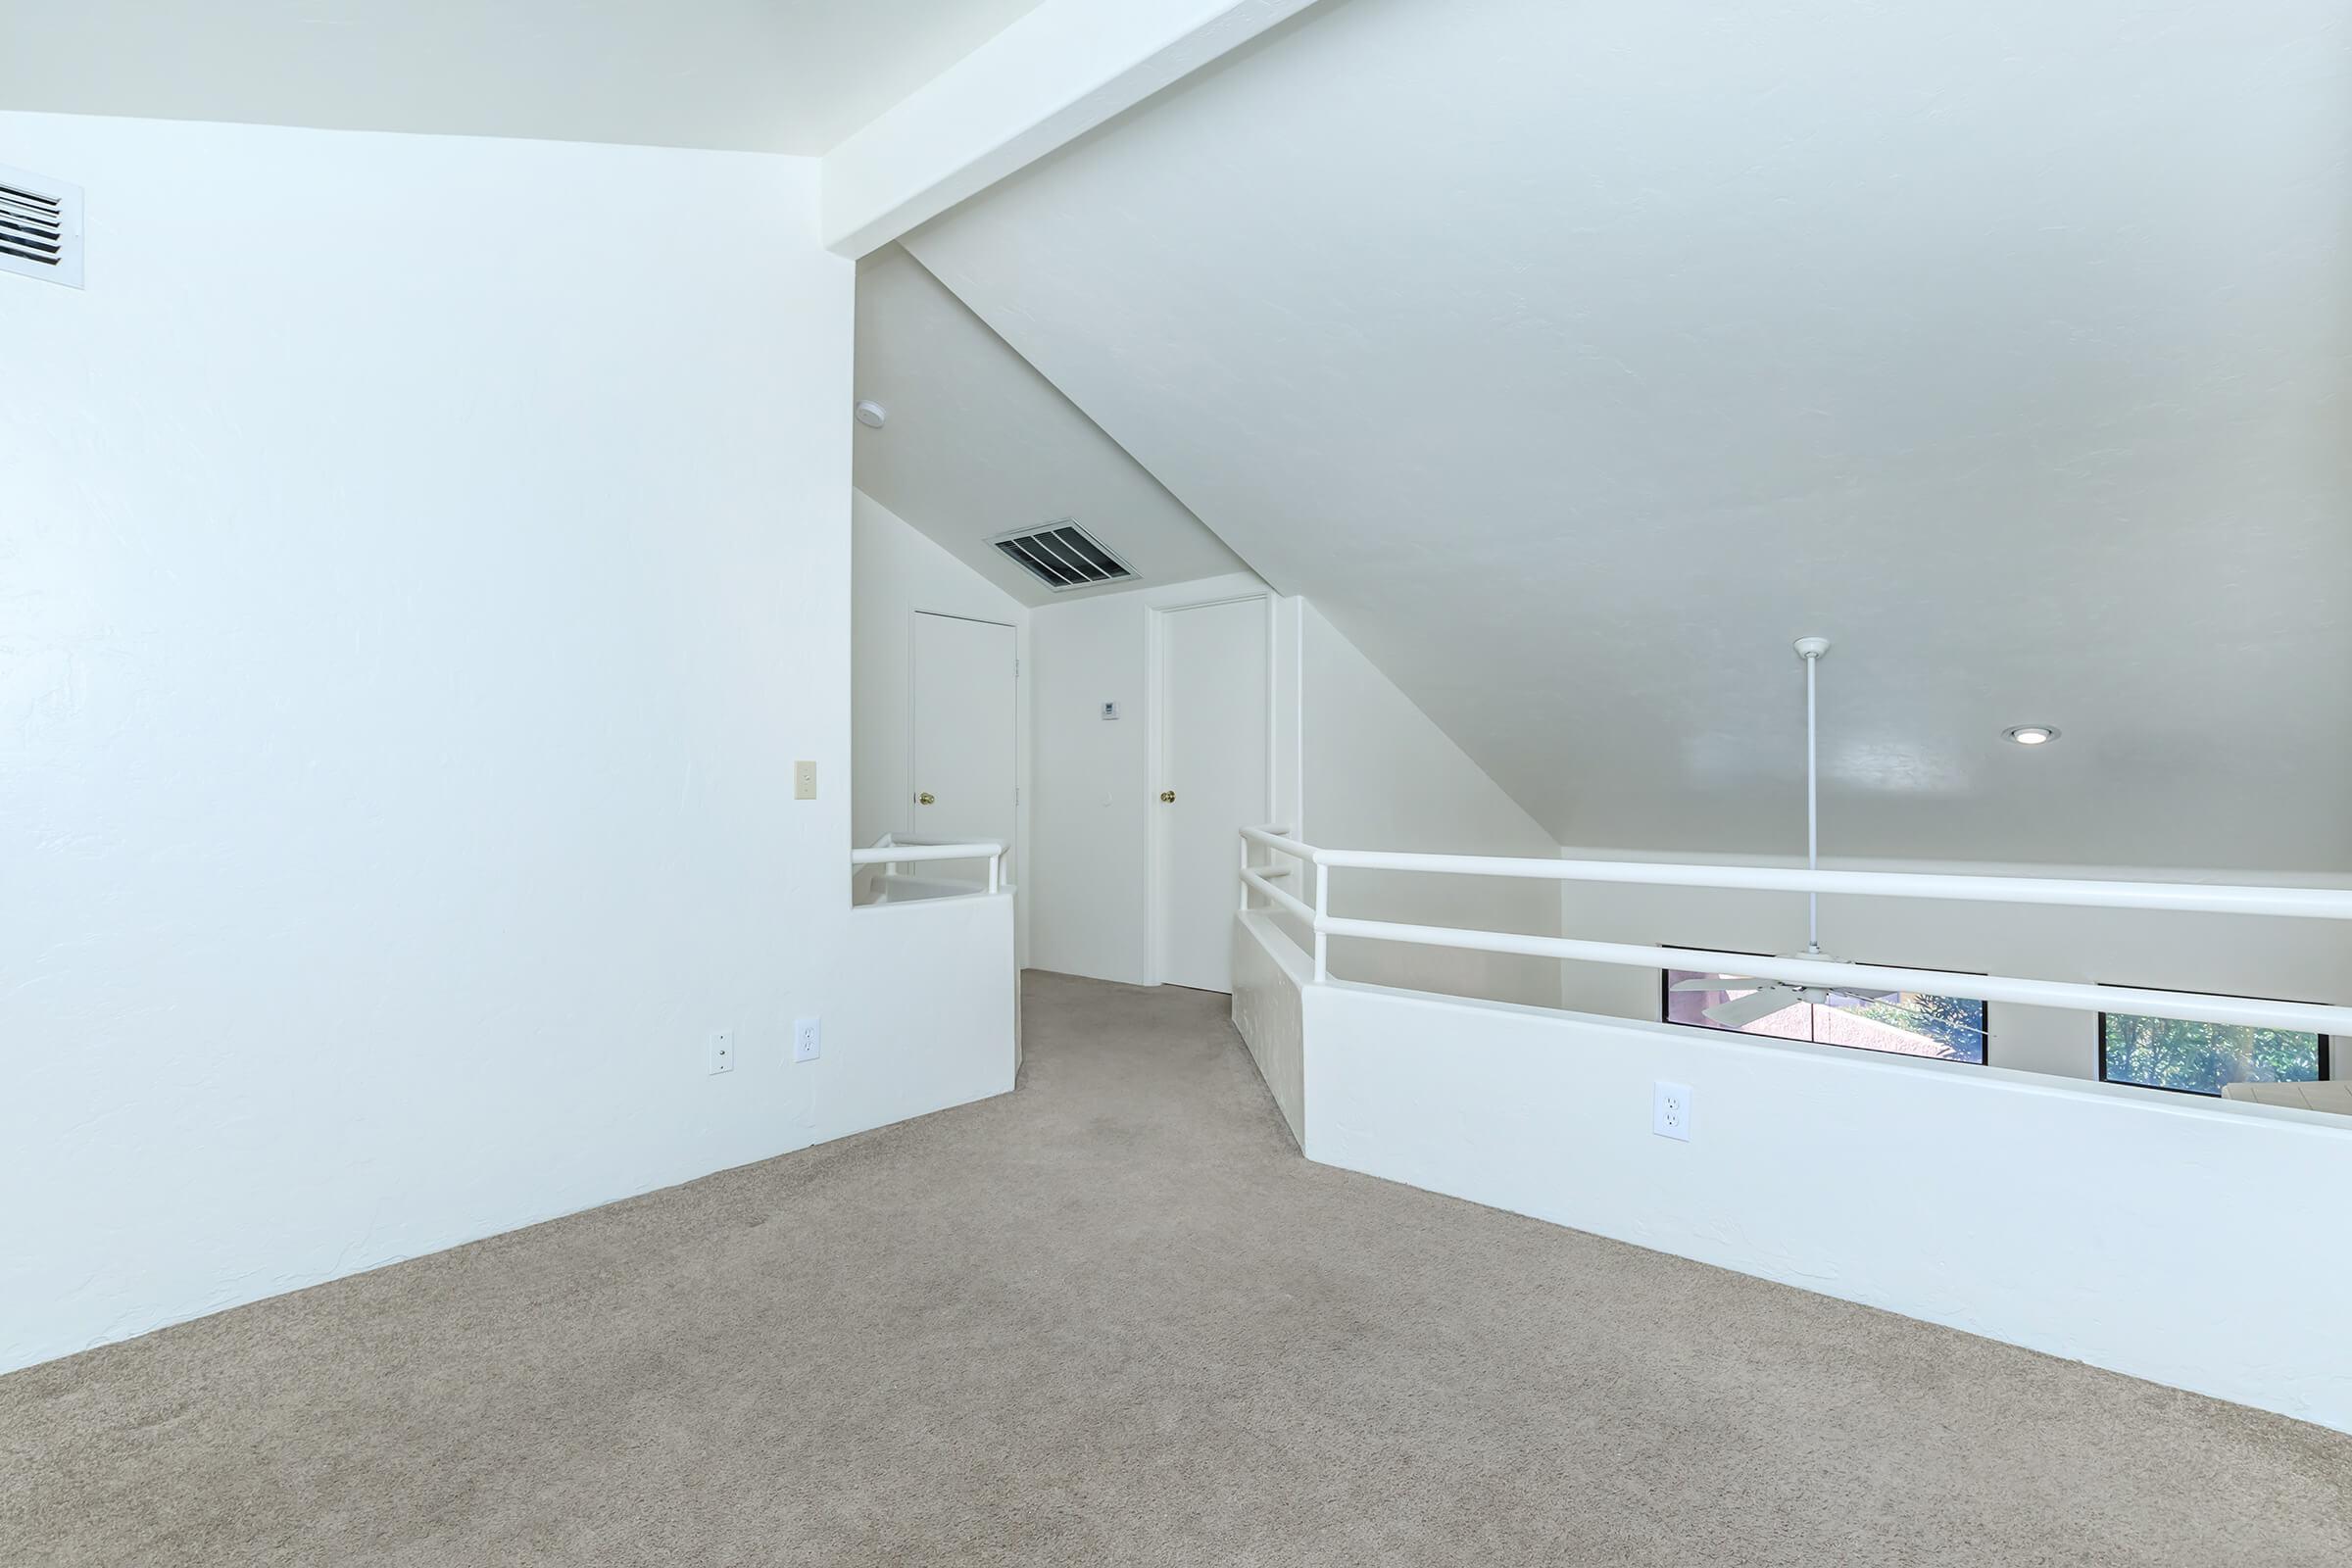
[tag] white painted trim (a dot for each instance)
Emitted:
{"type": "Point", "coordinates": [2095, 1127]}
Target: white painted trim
{"type": "Point", "coordinates": [1052, 76]}
{"type": "Point", "coordinates": [1155, 758]}
{"type": "Point", "coordinates": [914, 675]}
{"type": "Point", "coordinates": [1297, 807]}
{"type": "Point", "coordinates": [1273, 706]}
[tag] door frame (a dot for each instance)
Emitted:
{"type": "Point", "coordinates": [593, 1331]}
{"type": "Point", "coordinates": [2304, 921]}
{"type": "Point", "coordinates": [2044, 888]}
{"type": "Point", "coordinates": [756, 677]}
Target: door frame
{"type": "Point", "coordinates": [1155, 760]}
{"type": "Point", "coordinates": [914, 675]}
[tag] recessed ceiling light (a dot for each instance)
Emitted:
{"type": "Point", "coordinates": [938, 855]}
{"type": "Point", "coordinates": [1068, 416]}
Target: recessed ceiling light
{"type": "Point", "coordinates": [2030, 734]}
{"type": "Point", "coordinates": [871, 415]}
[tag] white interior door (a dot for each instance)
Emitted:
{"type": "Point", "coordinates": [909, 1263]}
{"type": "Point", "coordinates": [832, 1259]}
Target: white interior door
{"type": "Point", "coordinates": [961, 756]}
{"type": "Point", "coordinates": [1212, 718]}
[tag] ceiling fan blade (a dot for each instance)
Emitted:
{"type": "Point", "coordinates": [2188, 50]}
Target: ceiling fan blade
{"type": "Point", "coordinates": [1740, 1012]}
{"type": "Point", "coordinates": [1884, 995]}
{"type": "Point", "coordinates": [1721, 982]}
{"type": "Point", "coordinates": [1953, 1023]}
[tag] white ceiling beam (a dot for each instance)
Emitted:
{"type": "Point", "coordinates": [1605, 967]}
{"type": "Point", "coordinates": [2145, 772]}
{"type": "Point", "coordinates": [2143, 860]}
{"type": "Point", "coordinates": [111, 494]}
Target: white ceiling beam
{"type": "Point", "coordinates": [1048, 79]}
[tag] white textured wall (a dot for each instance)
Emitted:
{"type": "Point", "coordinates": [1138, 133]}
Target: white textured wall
{"type": "Point", "coordinates": [1379, 775]}
{"type": "Point", "coordinates": [2148, 1234]}
{"type": "Point", "coordinates": [418, 594]}
{"type": "Point", "coordinates": [1088, 870]}
{"type": "Point", "coordinates": [2297, 961]}
{"type": "Point", "coordinates": [929, 1015]}
{"type": "Point", "coordinates": [1269, 973]}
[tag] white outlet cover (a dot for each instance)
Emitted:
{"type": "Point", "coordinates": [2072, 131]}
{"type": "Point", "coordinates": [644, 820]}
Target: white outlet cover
{"type": "Point", "coordinates": [722, 1051]}
{"type": "Point", "coordinates": [808, 1040]}
{"type": "Point", "coordinates": [1670, 1110]}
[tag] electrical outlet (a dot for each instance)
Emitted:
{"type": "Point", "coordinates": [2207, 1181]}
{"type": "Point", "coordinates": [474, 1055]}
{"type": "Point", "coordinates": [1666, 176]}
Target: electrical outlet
{"type": "Point", "coordinates": [803, 781]}
{"type": "Point", "coordinates": [807, 1043]}
{"type": "Point", "coordinates": [722, 1051]}
{"type": "Point", "coordinates": [1670, 1110]}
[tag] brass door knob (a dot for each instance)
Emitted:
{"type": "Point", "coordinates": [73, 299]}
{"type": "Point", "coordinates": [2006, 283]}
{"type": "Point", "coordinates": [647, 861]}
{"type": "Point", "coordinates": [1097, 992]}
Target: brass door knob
{"type": "Point", "coordinates": [1167, 797]}
{"type": "Point", "coordinates": [924, 799]}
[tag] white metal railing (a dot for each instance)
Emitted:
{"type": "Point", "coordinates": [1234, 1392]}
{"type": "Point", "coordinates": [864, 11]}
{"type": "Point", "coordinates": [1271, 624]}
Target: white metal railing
{"type": "Point", "coordinates": [890, 852]}
{"type": "Point", "coordinates": [2316, 903]}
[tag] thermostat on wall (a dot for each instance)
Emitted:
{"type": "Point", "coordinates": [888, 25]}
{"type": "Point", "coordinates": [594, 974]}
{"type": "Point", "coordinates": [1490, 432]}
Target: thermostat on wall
{"type": "Point", "coordinates": [1111, 709]}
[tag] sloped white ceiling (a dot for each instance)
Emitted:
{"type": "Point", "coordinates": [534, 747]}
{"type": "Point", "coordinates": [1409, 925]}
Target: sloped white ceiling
{"type": "Point", "coordinates": [1577, 357]}
{"type": "Point", "coordinates": [978, 444]}
{"type": "Point", "coordinates": [762, 75]}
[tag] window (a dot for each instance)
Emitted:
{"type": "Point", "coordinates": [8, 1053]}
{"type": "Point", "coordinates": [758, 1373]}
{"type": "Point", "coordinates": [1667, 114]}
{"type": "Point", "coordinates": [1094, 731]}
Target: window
{"type": "Point", "coordinates": [1909, 1024]}
{"type": "Point", "coordinates": [2198, 1059]}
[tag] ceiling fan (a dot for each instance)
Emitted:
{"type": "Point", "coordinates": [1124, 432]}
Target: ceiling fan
{"type": "Point", "coordinates": [1765, 997]}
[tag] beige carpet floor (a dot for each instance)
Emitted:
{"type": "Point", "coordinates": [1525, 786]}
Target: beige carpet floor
{"type": "Point", "coordinates": [1113, 1318]}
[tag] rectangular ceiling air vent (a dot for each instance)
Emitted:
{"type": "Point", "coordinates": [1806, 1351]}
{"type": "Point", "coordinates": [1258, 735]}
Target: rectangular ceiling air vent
{"type": "Point", "coordinates": [1064, 555]}
{"type": "Point", "coordinates": [40, 228]}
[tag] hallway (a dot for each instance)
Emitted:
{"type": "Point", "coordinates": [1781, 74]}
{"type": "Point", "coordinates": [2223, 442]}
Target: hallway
{"type": "Point", "coordinates": [1115, 1319]}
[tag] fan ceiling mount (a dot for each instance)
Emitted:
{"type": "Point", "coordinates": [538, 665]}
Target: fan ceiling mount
{"type": "Point", "coordinates": [1767, 997]}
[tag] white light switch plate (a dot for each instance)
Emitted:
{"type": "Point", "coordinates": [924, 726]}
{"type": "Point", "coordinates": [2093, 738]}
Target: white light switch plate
{"type": "Point", "coordinates": [808, 1040]}
{"type": "Point", "coordinates": [803, 781]}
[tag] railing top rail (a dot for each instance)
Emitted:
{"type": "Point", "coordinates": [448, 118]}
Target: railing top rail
{"type": "Point", "coordinates": [2252, 1011]}
{"type": "Point", "coordinates": [2189, 897]}
{"type": "Point", "coordinates": [977, 850]}
{"type": "Point", "coordinates": [2181, 896]}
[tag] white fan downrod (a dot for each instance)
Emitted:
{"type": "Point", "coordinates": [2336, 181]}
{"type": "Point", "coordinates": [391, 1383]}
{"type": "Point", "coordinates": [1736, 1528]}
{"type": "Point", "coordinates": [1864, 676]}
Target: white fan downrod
{"type": "Point", "coordinates": [1812, 650]}
{"type": "Point", "coordinates": [1768, 996]}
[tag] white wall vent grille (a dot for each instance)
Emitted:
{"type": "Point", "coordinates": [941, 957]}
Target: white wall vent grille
{"type": "Point", "coordinates": [1064, 555]}
{"type": "Point", "coordinates": [40, 228]}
